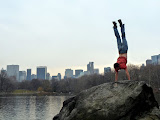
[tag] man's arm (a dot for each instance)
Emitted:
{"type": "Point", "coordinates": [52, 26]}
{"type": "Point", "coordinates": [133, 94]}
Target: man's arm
{"type": "Point", "coordinates": [127, 73]}
{"type": "Point", "coordinates": [116, 76]}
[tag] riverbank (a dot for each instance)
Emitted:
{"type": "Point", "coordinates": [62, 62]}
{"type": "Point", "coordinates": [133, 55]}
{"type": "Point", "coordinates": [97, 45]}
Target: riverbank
{"type": "Point", "coordinates": [33, 93]}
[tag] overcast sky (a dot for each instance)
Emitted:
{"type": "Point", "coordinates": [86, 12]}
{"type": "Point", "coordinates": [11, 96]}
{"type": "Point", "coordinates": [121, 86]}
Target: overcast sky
{"type": "Point", "coordinates": [64, 34]}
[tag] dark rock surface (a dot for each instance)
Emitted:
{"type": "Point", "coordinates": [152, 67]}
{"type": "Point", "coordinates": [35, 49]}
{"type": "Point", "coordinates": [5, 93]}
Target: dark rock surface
{"type": "Point", "coordinates": [129, 100]}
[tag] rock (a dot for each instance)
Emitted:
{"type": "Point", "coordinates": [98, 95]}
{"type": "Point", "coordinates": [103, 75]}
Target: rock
{"type": "Point", "coordinates": [129, 100]}
{"type": "Point", "coordinates": [153, 115]}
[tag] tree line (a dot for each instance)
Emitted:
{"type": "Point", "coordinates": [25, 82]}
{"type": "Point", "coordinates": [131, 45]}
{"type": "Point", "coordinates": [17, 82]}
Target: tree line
{"type": "Point", "coordinates": [150, 74]}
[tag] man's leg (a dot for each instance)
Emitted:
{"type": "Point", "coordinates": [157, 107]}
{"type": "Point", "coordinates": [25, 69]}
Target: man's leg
{"type": "Point", "coordinates": [119, 44]}
{"type": "Point", "coordinates": [124, 44]}
{"type": "Point", "coordinates": [123, 35]}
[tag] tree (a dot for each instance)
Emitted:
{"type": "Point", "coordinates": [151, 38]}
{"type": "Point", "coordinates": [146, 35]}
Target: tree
{"type": "Point", "coordinates": [40, 89]}
{"type": "Point", "coordinates": [6, 84]}
{"type": "Point", "coordinates": [35, 84]}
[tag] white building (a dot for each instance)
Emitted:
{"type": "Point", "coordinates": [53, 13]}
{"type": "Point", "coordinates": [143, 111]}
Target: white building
{"type": "Point", "coordinates": [13, 71]}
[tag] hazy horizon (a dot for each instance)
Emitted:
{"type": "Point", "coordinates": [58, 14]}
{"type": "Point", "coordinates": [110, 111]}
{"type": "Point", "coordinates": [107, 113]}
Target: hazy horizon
{"type": "Point", "coordinates": [63, 34]}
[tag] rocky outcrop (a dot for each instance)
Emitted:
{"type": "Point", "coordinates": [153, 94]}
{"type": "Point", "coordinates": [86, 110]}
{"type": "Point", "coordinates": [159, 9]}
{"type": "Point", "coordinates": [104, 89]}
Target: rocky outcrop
{"type": "Point", "coordinates": [128, 100]}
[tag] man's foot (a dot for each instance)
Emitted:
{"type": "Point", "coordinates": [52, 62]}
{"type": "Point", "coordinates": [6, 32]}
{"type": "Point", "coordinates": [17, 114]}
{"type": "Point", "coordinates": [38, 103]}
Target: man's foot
{"type": "Point", "coordinates": [115, 24]}
{"type": "Point", "coordinates": [120, 22]}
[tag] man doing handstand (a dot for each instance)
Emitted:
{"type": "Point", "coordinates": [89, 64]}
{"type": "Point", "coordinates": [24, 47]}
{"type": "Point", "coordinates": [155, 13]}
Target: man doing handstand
{"type": "Point", "coordinates": [122, 48]}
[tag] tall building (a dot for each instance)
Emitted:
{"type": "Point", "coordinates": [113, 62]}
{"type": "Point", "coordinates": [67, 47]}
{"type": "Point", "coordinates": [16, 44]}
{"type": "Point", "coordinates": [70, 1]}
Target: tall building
{"type": "Point", "coordinates": [78, 72]}
{"type": "Point", "coordinates": [148, 62]}
{"type": "Point", "coordinates": [33, 76]}
{"type": "Point", "coordinates": [142, 66]}
{"type": "Point", "coordinates": [48, 76]}
{"type": "Point", "coordinates": [59, 76]}
{"type": "Point", "coordinates": [107, 69]}
{"type": "Point", "coordinates": [41, 72]}
{"type": "Point", "coordinates": [96, 71]}
{"type": "Point", "coordinates": [86, 73]}
{"type": "Point", "coordinates": [69, 73]}
{"type": "Point", "coordinates": [90, 67]}
{"type": "Point", "coordinates": [22, 76]}
{"type": "Point", "coordinates": [155, 59]}
{"type": "Point", "coordinates": [159, 59]}
{"type": "Point", "coordinates": [13, 71]}
{"type": "Point", "coordinates": [54, 78]}
{"type": "Point", "coordinates": [29, 74]}
{"type": "Point", "coordinates": [65, 77]}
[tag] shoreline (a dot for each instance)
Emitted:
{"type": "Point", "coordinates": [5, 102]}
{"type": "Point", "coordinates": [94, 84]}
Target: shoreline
{"type": "Point", "coordinates": [36, 94]}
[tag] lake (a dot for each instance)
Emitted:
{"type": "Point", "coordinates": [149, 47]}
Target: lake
{"type": "Point", "coordinates": [30, 107]}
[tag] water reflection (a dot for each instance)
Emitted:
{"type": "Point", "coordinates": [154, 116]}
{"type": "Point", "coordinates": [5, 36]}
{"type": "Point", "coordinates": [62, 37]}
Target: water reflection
{"type": "Point", "coordinates": [30, 107]}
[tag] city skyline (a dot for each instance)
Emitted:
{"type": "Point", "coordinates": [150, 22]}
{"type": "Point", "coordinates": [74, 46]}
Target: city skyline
{"type": "Point", "coordinates": [63, 35]}
{"type": "Point", "coordinates": [28, 70]}
{"type": "Point", "coordinates": [154, 59]}
{"type": "Point", "coordinates": [90, 69]}
{"type": "Point", "coordinates": [101, 68]}
{"type": "Point", "coordinates": [41, 72]}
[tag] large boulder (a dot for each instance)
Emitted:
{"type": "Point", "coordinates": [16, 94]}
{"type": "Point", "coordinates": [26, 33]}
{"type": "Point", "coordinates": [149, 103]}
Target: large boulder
{"type": "Point", "coordinates": [124, 100]}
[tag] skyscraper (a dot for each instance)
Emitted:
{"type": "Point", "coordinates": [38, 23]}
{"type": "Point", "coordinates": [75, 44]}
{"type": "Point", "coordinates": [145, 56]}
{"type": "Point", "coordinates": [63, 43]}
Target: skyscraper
{"type": "Point", "coordinates": [13, 71]}
{"type": "Point", "coordinates": [28, 74]}
{"type": "Point", "coordinates": [148, 62]}
{"type": "Point", "coordinates": [69, 73]}
{"type": "Point", "coordinates": [96, 71]}
{"type": "Point", "coordinates": [90, 68]}
{"type": "Point", "coordinates": [154, 59]}
{"type": "Point", "coordinates": [54, 78]}
{"type": "Point", "coordinates": [107, 69]}
{"type": "Point", "coordinates": [142, 67]}
{"type": "Point", "coordinates": [59, 76]}
{"type": "Point", "coordinates": [159, 59]}
{"type": "Point", "coordinates": [41, 72]}
{"type": "Point", "coordinates": [22, 76]}
{"type": "Point", "coordinates": [78, 72]}
{"type": "Point", "coordinates": [48, 76]}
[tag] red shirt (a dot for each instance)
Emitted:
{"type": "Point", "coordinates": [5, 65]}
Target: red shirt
{"type": "Point", "coordinates": [122, 61]}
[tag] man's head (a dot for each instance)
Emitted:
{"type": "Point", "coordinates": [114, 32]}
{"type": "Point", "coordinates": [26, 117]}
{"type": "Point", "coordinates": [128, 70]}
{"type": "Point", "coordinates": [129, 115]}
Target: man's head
{"type": "Point", "coordinates": [116, 66]}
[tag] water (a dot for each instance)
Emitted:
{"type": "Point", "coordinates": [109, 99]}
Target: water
{"type": "Point", "coordinates": [30, 107]}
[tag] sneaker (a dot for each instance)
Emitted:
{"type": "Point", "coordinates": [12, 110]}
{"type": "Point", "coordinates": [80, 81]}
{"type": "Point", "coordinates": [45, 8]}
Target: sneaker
{"type": "Point", "coordinates": [120, 22]}
{"type": "Point", "coordinates": [115, 24]}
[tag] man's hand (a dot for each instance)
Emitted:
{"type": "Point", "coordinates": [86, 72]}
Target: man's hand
{"type": "Point", "coordinates": [116, 76]}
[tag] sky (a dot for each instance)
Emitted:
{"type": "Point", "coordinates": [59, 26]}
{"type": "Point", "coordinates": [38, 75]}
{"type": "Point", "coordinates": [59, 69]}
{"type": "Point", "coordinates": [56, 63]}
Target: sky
{"type": "Point", "coordinates": [63, 34]}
